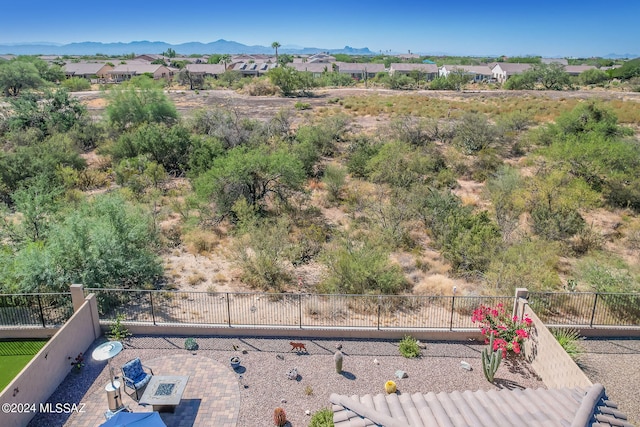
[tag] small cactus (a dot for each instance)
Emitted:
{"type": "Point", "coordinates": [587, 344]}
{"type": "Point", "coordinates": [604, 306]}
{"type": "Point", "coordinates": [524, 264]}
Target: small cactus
{"type": "Point", "coordinates": [337, 357]}
{"type": "Point", "coordinates": [490, 361]}
{"type": "Point", "coordinates": [390, 387]}
{"type": "Point", "coordinates": [279, 417]}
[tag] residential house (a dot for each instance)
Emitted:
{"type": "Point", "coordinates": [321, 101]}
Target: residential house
{"type": "Point", "coordinates": [482, 408]}
{"type": "Point", "coordinates": [429, 71]}
{"type": "Point", "coordinates": [252, 69]}
{"type": "Point", "coordinates": [315, 68]}
{"type": "Point", "coordinates": [206, 70]}
{"type": "Point", "coordinates": [91, 71]}
{"type": "Point", "coordinates": [503, 70]}
{"type": "Point", "coordinates": [360, 71]}
{"type": "Point", "coordinates": [408, 56]}
{"type": "Point", "coordinates": [253, 58]}
{"type": "Point", "coordinates": [575, 70]}
{"type": "Point", "coordinates": [321, 58]}
{"type": "Point", "coordinates": [150, 57]}
{"type": "Point", "coordinates": [130, 69]}
{"type": "Point", "coordinates": [478, 73]}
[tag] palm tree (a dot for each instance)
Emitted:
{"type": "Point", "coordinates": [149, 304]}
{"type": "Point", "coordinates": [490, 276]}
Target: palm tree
{"type": "Point", "coordinates": [276, 45]}
{"type": "Point", "coordinates": [225, 59]}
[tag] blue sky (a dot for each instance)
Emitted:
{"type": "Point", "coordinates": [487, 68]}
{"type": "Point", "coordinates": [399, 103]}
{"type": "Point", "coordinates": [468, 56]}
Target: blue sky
{"type": "Point", "coordinates": [459, 27]}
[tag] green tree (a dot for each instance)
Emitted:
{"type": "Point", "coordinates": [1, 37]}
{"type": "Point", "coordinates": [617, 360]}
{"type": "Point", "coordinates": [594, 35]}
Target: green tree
{"type": "Point", "coordinates": [133, 106]}
{"type": "Point", "coordinates": [474, 133]}
{"type": "Point", "coordinates": [49, 113]}
{"type": "Point", "coordinates": [593, 76]}
{"type": "Point", "coordinates": [552, 76]}
{"type": "Point", "coordinates": [289, 80]}
{"type": "Point", "coordinates": [225, 59]}
{"type": "Point", "coordinates": [252, 174]}
{"type": "Point", "coordinates": [169, 53]}
{"type": "Point", "coordinates": [523, 81]}
{"type": "Point", "coordinates": [105, 242]}
{"type": "Point", "coordinates": [16, 76]}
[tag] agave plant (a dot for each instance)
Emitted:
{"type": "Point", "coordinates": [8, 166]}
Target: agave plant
{"type": "Point", "coordinates": [569, 339]}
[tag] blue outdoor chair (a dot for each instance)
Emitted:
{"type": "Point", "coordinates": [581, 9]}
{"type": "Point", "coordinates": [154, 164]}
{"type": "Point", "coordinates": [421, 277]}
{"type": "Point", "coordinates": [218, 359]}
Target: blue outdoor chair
{"type": "Point", "coordinates": [134, 375]}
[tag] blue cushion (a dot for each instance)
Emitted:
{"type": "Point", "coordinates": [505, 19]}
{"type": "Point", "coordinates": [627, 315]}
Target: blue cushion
{"type": "Point", "coordinates": [136, 377]}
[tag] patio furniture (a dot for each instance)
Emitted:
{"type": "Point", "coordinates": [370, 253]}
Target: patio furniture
{"type": "Point", "coordinates": [164, 392]}
{"type": "Point", "coordinates": [134, 375]}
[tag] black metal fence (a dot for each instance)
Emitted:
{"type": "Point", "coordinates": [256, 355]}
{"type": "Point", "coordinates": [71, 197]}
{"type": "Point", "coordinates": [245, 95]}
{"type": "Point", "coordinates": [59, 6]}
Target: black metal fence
{"type": "Point", "coordinates": [290, 310]}
{"type": "Point", "coordinates": [586, 308]}
{"type": "Point", "coordinates": [46, 310]}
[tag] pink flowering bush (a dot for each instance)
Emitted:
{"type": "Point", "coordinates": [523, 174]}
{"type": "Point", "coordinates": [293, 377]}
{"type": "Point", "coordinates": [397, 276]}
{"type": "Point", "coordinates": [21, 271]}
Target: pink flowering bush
{"type": "Point", "coordinates": [509, 332]}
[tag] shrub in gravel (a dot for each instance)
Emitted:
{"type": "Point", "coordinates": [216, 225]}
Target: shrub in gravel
{"type": "Point", "coordinates": [322, 418]}
{"type": "Point", "coordinates": [409, 347]}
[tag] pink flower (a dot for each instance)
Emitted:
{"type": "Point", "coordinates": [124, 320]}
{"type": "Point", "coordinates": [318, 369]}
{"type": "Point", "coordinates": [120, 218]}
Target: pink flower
{"type": "Point", "coordinates": [516, 348]}
{"type": "Point", "coordinates": [528, 321]}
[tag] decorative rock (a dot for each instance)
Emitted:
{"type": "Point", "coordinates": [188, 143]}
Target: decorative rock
{"type": "Point", "coordinates": [465, 365]}
{"type": "Point", "coordinates": [283, 400]}
{"type": "Point", "coordinates": [401, 374]}
{"type": "Point", "coordinates": [307, 412]}
{"type": "Point", "coordinates": [293, 374]}
{"type": "Point", "coordinates": [279, 357]}
{"type": "Point", "coordinates": [421, 344]}
{"type": "Point", "coordinates": [339, 346]}
{"type": "Point", "coordinates": [375, 362]}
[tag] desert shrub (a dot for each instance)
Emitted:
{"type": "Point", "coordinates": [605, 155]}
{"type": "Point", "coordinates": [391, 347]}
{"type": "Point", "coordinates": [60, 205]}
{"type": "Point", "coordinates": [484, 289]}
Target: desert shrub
{"type": "Point", "coordinates": [260, 87]}
{"type": "Point", "coordinates": [263, 253]}
{"type": "Point", "coordinates": [400, 165]}
{"type": "Point", "coordinates": [302, 105]}
{"type": "Point", "coordinates": [360, 151]}
{"type": "Point", "coordinates": [322, 418]}
{"type": "Point", "coordinates": [409, 347]}
{"type": "Point", "coordinates": [556, 224]}
{"type": "Point", "coordinates": [167, 146]}
{"type": "Point", "coordinates": [474, 133]}
{"type": "Point", "coordinates": [228, 126]}
{"type": "Point", "coordinates": [413, 130]}
{"type": "Point", "coordinates": [139, 173]}
{"type": "Point", "coordinates": [486, 163]}
{"type": "Point", "coordinates": [334, 180]}
{"type": "Point", "coordinates": [361, 267]}
{"type": "Point", "coordinates": [325, 134]}
{"type": "Point", "coordinates": [569, 339]}
{"type": "Point", "coordinates": [528, 264]}
{"type": "Point", "coordinates": [76, 84]}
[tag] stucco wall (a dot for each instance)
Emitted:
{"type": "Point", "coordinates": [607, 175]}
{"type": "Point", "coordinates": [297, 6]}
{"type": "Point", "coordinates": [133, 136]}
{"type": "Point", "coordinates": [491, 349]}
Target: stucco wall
{"type": "Point", "coordinates": [39, 379]}
{"type": "Point", "coordinates": [549, 360]}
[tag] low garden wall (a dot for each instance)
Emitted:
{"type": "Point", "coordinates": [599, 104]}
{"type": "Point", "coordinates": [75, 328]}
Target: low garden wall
{"type": "Point", "coordinates": [21, 399]}
{"type": "Point", "coordinates": [549, 360]}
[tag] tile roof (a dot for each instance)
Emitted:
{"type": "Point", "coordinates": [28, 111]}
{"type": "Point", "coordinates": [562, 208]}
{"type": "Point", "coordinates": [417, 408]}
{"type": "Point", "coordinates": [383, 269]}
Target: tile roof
{"type": "Point", "coordinates": [406, 66]}
{"type": "Point", "coordinates": [512, 67]}
{"type": "Point", "coordinates": [206, 68]}
{"type": "Point", "coordinates": [565, 407]}
{"type": "Point", "coordinates": [83, 68]}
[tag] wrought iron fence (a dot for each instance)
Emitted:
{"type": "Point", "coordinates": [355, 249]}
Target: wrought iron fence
{"type": "Point", "coordinates": [44, 309]}
{"type": "Point", "coordinates": [586, 308]}
{"type": "Point", "coordinates": [290, 310]}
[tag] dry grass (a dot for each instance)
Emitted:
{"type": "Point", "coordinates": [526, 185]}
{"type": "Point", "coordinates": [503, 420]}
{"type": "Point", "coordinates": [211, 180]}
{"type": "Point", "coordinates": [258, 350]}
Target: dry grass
{"type": "Point", "coordinates": [436, 284]}
{"type": "Point", "coordinates": [201, 242]}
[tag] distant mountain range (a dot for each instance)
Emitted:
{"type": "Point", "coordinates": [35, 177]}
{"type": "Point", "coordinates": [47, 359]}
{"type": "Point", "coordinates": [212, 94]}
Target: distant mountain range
{"type": "Point", "coordinates": [140, 47]}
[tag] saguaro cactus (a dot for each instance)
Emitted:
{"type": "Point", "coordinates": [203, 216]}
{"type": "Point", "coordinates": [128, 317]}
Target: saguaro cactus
{"type": "Point", "coordinates": [490, 361]}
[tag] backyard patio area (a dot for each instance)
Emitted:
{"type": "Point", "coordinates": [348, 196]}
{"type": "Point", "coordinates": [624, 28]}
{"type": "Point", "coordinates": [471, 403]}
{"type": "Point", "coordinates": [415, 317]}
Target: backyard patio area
{"type": "Point", "coordinates": [217, 395]}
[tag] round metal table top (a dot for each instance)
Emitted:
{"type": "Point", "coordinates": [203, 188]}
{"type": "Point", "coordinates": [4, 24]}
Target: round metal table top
{"type": "Point", "coordinates": [107, 350]}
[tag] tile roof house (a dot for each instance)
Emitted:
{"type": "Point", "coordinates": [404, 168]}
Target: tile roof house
{"type": "Point", "coordinates": [503, 70]}
{"type": "Point", "coordinates": [477, 72]}
{"type": "Point", "coordinates": [564, 407]}
{"type": "Point", "coordinates": [575, 70]}
{"type": "Point", "coordinates": [359, 71]}
{"type": "Point", "coordinates": [315, 68]}
{"type": "Point", "coordinates": [123, 72]}
{"type": "Point", "coordinates": [213, 70]}
{"type": "Point", "coordinates": [429, 70]}
{"type": "Point", "coordinates": [87, 70]}
{"type": "Point", "coordinates": [252, 68]}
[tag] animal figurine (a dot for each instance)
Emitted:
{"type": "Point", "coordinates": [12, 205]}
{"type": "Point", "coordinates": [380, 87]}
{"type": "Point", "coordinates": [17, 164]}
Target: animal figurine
{"type": "Point", "coordinates": [298, 346]}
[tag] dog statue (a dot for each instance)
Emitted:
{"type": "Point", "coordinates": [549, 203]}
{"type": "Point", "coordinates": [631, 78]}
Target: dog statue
{"type": "Point", "coordinates": [298, 346]}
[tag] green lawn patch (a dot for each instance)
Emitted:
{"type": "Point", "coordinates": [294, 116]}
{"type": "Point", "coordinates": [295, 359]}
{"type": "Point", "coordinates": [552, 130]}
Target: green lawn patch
{"type": "Point", "coordinates": [14, 355]}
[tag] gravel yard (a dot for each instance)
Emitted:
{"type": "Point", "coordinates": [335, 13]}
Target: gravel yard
{"type": "Point", "coordinates": [367, 365]}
